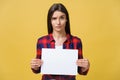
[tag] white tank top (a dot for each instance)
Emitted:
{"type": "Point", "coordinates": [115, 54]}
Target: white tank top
{"type": "Point", "coordinates": [58, 47]}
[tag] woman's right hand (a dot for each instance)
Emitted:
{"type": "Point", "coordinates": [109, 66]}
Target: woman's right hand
{"type": "Point", "coordinates": [36, 63]}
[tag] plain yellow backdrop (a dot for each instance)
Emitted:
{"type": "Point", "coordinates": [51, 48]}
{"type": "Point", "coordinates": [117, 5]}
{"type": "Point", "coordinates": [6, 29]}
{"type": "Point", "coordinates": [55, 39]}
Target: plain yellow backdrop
{"type": "Point", "coordinates": [96, 22]}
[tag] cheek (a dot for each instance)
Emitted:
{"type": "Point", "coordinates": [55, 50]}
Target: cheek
{"type": "Point", "coordinates": [52, 23]}
{"type": "Point", "coordinates": [63, 22]}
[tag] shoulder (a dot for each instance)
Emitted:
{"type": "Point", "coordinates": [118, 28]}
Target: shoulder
{"type": "Point", "coordinates": [75, 38]}
{"type": "Point", "coordinates": [43, 38]}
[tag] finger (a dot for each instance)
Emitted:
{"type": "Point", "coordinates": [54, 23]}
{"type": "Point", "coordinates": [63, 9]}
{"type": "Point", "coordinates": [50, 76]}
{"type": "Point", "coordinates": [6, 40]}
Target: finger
{"type": "Point", "coordinates": [81, 62]}
{"type": "Point", "coordinates": [34, 62]}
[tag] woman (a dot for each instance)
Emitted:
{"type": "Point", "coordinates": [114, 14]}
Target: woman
{"type": "Point", "coordinates": [59, 36]}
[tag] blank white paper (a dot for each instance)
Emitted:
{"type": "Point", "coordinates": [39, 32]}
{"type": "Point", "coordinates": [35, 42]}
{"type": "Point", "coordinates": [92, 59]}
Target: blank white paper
{"type": "Point", "coordinates": [59, 61]}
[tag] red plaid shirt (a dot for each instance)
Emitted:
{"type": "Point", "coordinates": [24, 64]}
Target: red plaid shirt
{"type": "Point", "coordinates": [48, 41]}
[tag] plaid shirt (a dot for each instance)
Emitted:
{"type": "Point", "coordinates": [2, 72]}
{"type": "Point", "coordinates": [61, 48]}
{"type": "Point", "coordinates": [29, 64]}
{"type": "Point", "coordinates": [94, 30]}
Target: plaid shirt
{"type": "Point", "coordinates": [71, 42]}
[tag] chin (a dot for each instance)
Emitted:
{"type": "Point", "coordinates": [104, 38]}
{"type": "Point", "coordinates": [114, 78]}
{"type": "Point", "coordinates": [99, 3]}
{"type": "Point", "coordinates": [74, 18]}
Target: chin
{"type": "Point", "coordinates": [58, 30]}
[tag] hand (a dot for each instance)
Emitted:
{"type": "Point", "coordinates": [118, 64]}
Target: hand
{"type": "Point", "coordinates": [84, 64]}
{"type": "Point", "coordinates": [36, 63]}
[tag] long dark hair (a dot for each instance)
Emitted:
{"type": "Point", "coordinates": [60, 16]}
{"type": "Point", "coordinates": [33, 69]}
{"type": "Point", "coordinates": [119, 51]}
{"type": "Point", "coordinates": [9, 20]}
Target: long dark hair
{"type": "Point", "coordinates": [58, 7]}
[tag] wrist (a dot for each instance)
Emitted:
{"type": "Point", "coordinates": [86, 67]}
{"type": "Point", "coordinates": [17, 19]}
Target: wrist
{"type": "Point", "coordinates": [84, 69]}
{"type": "Point", "coordinates": [35, 68]}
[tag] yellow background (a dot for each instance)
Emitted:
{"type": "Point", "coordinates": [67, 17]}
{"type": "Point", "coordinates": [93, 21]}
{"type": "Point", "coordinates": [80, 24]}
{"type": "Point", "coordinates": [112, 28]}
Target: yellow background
{"type": "Point", "coordinates": [96, 22]}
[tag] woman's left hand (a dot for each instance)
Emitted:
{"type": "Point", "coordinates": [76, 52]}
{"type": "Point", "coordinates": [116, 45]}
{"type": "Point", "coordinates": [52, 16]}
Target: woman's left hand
{"type": "Point", "coordinates": [84, 64]}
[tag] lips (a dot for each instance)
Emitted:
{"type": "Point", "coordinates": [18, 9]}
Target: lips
{"type": "Point", "coordinates": [58, 26]}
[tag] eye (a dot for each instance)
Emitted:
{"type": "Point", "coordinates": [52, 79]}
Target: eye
{"type": "Point", "coordinates": [62, 17]}
{"type": "Point", "coordinates": [53, 18]}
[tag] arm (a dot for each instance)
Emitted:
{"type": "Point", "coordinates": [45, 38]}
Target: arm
{"type": "Point", "coordinates": [36, 63]}
{"type": "Point", "coordinates": [83, 64]}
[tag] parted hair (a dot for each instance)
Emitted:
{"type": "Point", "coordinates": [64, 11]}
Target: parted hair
{"type": "Point", "coordinates": [57, 7]}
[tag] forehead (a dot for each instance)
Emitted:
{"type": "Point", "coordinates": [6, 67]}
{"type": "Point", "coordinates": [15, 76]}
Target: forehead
{"type": "Point", "coordinates": [58, 13]}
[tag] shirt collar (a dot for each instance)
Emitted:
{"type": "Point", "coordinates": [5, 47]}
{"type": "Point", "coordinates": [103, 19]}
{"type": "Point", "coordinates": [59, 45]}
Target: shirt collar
{"type": "Point", "coordinates": [69, 38]}
{"type": "Point", "coordinates": [51, 37]}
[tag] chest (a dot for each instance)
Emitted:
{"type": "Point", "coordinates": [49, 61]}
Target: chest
{"type": "Point", "coordinates": [66, 45]}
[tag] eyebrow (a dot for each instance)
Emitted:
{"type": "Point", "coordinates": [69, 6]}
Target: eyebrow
{"type": "Point", "coordinates": [61, 15]}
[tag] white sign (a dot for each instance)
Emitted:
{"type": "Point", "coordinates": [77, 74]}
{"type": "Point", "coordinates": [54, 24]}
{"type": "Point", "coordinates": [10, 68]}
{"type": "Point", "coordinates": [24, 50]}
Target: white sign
{"type": "Point", "coordinates": [59, 61]}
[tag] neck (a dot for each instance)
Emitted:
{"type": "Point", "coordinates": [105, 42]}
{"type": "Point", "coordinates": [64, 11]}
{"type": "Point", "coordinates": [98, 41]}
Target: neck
{"type": "Point", "coordinates": [59, 38]}
{"type": "Point", "coordinates": [59, 34]}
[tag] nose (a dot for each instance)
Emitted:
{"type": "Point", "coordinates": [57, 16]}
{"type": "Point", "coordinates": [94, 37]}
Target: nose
{"type": "Point", "coordinates": [58, 21]}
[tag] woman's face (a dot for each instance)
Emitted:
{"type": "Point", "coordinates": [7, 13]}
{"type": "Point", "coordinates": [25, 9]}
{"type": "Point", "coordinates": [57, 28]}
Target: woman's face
{"type": "Point", "coordinates": [58, 21]}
